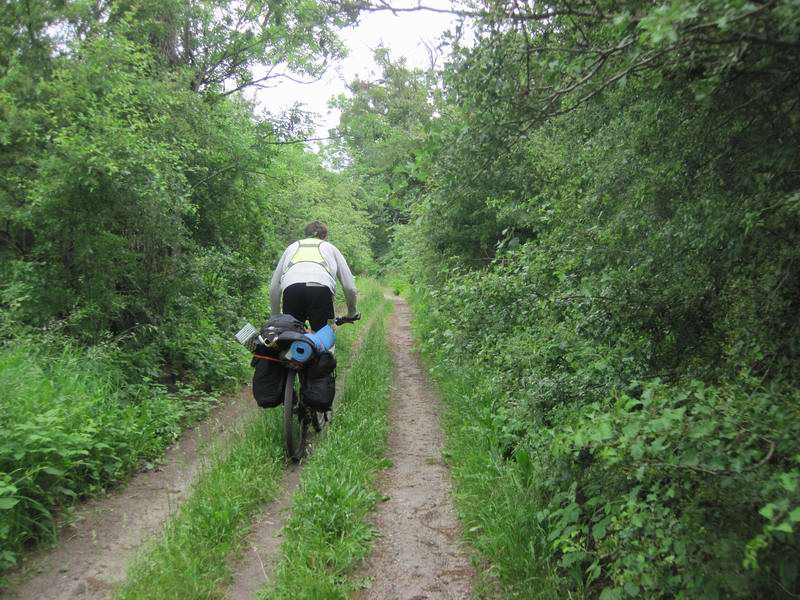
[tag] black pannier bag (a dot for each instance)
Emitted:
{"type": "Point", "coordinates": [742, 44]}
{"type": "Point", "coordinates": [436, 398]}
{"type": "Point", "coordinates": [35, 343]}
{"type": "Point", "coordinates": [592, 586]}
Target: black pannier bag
{"type": "Point", "coordinates": [269, 380]}
{"type": "Point", "coordinates": [319, 384]}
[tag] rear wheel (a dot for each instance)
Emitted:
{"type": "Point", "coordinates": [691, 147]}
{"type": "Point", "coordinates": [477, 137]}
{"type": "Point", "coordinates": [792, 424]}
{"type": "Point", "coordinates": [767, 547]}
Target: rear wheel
{"type": "Point", "coordinates": [294, 425]}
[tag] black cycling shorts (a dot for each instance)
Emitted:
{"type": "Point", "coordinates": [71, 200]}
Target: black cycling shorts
{"type": "Point", "coordinates": [309, 302]}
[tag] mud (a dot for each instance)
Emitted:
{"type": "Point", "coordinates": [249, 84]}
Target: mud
{"type": "Point", "coordinates": [104, 534]}
{"type": "Point", "coordinates": [418, 555]}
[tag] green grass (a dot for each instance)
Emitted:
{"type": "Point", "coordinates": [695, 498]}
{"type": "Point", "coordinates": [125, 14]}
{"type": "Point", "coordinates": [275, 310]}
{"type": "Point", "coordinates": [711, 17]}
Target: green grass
{"type": "Point", "coordinates": [328, 533]}
{"type": "Point", "coordinates": [492, 495]}
{"type": "Point", "coordinates": [191, 557]}
{"type": "Point", "coordinates": [370, 301]}
{"type": "Point", "coordinates": [69, 427]}
{"type": "Point", "coordinates": [189, 561]}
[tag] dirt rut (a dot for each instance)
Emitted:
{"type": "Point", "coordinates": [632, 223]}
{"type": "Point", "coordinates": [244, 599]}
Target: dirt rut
{"type": "Point", "coordinates": [263, 544]}
{"type": "Point", "coordinates": [418, 555]}
{"type": "Point", "coordinates": [93, 552]}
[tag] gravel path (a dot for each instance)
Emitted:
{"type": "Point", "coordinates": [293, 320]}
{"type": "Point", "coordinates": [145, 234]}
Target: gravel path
{"type": "Point", "coordinates": [418, 556]}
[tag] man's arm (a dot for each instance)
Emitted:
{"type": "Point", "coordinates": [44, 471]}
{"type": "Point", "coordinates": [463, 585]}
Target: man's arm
{"type": "Point", "coordinates": [348, 283]}
{"type": "Point", "coordinates": [275, 286]}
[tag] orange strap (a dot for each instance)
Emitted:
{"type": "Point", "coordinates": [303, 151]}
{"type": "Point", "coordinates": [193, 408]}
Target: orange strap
{"type": "Point", "coordinates": [277, 360]}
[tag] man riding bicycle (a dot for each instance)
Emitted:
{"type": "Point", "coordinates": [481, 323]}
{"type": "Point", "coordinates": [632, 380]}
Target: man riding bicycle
{"type": "Point", "coordinates": [306, 278]}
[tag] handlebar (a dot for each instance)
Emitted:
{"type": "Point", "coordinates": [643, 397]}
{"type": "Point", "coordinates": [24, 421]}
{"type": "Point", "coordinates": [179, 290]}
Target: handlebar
{"type": "Point", "coordinates": [353, 319]}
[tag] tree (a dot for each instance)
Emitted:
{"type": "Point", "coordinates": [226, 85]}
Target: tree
{"type": "Point", "coordinates": [384, 130]}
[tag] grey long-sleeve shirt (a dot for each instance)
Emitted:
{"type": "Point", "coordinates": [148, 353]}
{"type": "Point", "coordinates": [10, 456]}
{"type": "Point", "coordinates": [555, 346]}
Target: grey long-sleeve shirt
{"type": "Point", "coordinates": [308, 272]}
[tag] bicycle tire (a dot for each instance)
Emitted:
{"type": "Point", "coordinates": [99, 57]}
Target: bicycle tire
{"type": "Point", "coordinates": [294, 425]}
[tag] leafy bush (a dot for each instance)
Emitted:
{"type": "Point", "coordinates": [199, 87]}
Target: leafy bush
{"type": "Point", "coordinates": [633, 486]}
{"type": "Point", "coordinates": [70, 427]}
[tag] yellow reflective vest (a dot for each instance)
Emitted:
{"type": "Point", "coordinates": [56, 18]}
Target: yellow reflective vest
{"type": "Point", "coordinates": [308, 251]}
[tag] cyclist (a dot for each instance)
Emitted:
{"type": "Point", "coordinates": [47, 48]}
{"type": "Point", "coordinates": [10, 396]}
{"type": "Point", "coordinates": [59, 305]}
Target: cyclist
{"type": "Point", "coordinates": [306, 277]}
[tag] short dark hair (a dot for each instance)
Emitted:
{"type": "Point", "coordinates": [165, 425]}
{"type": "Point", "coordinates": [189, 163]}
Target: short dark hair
{"type": "Point", "coordinates": [317, 230]}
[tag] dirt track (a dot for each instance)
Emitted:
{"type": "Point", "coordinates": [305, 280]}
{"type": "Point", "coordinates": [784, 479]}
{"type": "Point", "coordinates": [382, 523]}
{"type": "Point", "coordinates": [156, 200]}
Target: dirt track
{"type": "Point", "coordinates": [418, 555]}
{"type": "Point", "coordinates": [252, 571]}
{"type": "Point", "coordinates": [93, 552]}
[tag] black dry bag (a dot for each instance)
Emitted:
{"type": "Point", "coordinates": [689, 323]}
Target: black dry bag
{"type": "Point", "coordinates": [319, 384]}
{"type": "Point", "coordinates": [269, 380]}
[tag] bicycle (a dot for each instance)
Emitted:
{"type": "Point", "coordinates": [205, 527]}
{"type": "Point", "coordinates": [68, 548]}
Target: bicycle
{"type": "Point", "coordinates": [297, 416]}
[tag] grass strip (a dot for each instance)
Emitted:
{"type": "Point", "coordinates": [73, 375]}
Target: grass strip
{"type": "Point", "coordinates": [328, 532]}
{"type": "Point", "coordinates": [190, 559]}
{"type": "Point", "coordinates": [370, 300]}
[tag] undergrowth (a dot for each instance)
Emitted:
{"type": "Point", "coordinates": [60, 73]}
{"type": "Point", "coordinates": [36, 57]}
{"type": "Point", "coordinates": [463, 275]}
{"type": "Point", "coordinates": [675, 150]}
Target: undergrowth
{"type": "Point", "coordinates": [70, 426]}
{"type": "Point", "coordinates": [492, 495]}
{"type": "Point", "coordinates": [576, 476]}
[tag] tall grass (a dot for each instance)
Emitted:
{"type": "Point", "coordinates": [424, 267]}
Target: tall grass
{"type": "Point", "coordinates": [328, 533]}
{"type": "Point", "coordinates": [68, 428]}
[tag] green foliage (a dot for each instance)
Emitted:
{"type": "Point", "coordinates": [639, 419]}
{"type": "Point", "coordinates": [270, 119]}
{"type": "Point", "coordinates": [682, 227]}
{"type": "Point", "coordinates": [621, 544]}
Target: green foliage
{"type": "Point", "coordinates": [607, 244]}
{"type": "Point", "coordinates": [383, 128]}
{"type": "Point", "coordinates": [315, 193]}
{"type": "Point", "coordinates": [664, 479]}
{"type": "Point", "coordinates": [69, 429]}
{"type": "Point", "coordinates": [142, 208]}
{"type": "Point", "coordinates": [584, 482]}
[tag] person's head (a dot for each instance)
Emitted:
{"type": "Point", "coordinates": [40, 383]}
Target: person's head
{"type": "Point", "coordinates": [317, 230]}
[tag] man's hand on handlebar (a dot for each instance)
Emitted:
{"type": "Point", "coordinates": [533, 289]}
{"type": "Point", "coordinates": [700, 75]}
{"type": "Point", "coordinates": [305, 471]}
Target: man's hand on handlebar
{"type": "Point", "coordinates": [348, 319]}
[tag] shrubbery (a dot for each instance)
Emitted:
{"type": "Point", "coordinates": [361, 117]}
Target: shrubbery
{"type": "Point", "coordinates": [70, 427]}
{"type": "Point", "coordinates": [604, 233]}
{"type": "Point", "coordinates": [632, 485]}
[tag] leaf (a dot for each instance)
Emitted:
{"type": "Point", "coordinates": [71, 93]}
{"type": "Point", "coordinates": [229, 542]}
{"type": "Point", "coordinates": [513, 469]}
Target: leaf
{"type": "Point", "coordinates": [784, 527]}
{"type": "Point", "coordinates": [631, 589]}
{"type": "Point", "coordinates": [637, 450]}
{"type": "Point", "coordinates": [599, 530]}
{"type": "Point", "coordinates": [611, 594]}
{"type": "Point", "coordinates": [789, 482]}
{"type": "Point", "coordinates": [603, 431]}
{"type": "Point", "coordinates": [8, 503]}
